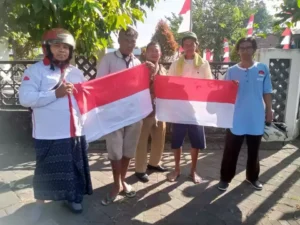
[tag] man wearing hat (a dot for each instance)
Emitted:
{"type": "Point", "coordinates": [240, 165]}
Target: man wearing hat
{"type": "Point", "coordinates": [190, 64]}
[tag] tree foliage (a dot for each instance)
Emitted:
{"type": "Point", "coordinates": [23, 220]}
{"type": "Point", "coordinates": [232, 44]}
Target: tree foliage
{"type": "Point", "coordinates": [90, 21]}
{"type": "Point", "coordinates": [164, 36]}
{"type": "Point", "coordinates": [289, 12]}
{"type": "Point", "coordinates": [214, 20]}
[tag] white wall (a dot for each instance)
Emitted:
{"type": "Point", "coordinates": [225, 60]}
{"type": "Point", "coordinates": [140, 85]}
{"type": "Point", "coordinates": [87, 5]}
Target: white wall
{"type": "Point", "coordinates": [293, 92]}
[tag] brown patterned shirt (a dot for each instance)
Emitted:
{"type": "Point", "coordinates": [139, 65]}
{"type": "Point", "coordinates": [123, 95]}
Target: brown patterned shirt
{"type": "Point", "coordinates": [161, 71]}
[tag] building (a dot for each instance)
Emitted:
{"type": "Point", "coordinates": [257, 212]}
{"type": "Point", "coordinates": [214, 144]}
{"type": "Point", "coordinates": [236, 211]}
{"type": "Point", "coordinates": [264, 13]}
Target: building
{"type": "Point", "coordinates": [271, 41]}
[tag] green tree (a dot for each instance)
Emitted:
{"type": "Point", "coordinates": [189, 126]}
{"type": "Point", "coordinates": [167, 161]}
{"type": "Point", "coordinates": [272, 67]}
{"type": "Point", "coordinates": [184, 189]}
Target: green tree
{"type": "Point", "coordinates": [214, 20]}
{"type": "Point", "coordinates": [289, 9]}
{"type": "Point", "coordinates": [91, 21]}
{"type": "Point", "coordinates": [263, 19]}
{"type": "Point", "coordinates": [164, 36]}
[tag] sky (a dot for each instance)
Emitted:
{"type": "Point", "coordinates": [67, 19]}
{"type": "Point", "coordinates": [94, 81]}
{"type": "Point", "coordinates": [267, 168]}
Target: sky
{"type": "Point", "coordinates": [165, 8]}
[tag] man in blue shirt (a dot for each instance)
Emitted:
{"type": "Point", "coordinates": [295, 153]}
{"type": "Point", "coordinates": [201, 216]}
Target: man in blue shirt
{"type": "Point", "coordinates": [253, 109]}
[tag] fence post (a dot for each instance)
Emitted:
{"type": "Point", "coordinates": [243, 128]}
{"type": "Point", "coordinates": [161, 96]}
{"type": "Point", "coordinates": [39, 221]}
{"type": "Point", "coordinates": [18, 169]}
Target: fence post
{"type": "Point", "coordinates": [285, 74]}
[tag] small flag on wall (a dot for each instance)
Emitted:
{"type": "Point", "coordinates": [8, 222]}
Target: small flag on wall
{"type": "Point", "coordinates": [226, 51]}
{"type": "Point", "coordinates": [250, 26]}
{"type": "Point", "coordinates": [287, 38]}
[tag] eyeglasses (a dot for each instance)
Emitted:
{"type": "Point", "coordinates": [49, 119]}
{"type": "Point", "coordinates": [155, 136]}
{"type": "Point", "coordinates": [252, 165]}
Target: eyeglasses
{"type": "Point", "coordinates": [246, 48]}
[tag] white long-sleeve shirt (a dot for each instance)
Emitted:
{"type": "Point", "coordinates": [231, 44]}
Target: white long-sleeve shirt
{"type": "Point", "coordinates": [51, 116]}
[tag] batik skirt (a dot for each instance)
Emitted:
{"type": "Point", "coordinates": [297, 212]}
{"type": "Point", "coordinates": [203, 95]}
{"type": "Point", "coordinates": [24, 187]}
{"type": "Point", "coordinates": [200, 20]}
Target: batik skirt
{"type": "Point", "coordinates": [62, 170]}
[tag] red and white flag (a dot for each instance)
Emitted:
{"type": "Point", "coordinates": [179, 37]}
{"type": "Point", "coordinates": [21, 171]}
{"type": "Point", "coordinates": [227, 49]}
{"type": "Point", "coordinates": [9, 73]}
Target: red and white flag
{"type": "Point", "coordinates": [208, 55]}
{"type": "Point", "coordinates": [250, 26]}
{"type": "Point", "coordinates": [287, 38]}
{"type": "Point", "coordinates": [186, 15]}
{"type": "Point", "coordinates": [114, 101]}
{"type": "Point", "coordinates": [226, 51]}
{"type": "Point", "coordinates": [195, 101]}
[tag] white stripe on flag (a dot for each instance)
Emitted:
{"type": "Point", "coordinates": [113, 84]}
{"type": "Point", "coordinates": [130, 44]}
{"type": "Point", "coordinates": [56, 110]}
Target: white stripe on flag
{"type": "Point", "coordinates": [226, 55]}
{"type": "Point", "coordinates": [286, 40]}
{"type": "Point", "coordinates": [115, 115]}
{"type": "Point", "coordinates": [250, 25]}
{"type": "Point", "coordinates": [195, 112]}
{"type": "Point", "coordinates": [185, 24]}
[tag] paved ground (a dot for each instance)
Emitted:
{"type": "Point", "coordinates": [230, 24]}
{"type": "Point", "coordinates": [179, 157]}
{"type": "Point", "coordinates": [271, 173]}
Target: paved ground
{"type": "Point", "coordinates": [160, 202]}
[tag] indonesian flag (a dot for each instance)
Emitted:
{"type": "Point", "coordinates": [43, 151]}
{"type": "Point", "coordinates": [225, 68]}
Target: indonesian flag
{"type": "Point", "coordinates": [287, 38]}
{"type": "Point", "coordinates": [226, 51]}
{"type": "Point", "coordinates": [208, 55]}
{"type": "Point", "coordinates": [195, 101]}
{"type": "Point", "coordinates": [112, 102]}
{"type": "Point", "coordinates": [250, 26]}
{"type": "Point", "coordinates": [186, 15]}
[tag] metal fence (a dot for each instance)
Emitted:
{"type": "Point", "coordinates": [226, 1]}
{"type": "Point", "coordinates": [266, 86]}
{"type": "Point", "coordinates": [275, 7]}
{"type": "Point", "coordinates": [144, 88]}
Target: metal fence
{"type": "Point", "coordinates": [12, 71]}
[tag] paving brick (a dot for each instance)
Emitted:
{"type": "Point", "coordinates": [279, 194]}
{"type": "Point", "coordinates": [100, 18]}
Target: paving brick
{"type": "Point", "coordinates": [275, 222]}
{"type": "Point", "coordinates": [8, 198]}
{"type": "Point", "coordinates": [163, 203]}
{"type": "Point", "coordinates": [2, 213]}
{"type": "Point", "coordinates": [292, 222]}
{"type": "Point", "coordinates": [283, 222]}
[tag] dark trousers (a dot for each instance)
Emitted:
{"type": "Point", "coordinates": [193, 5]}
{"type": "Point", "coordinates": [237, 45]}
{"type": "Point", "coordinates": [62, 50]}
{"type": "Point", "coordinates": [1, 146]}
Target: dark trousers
{"type": "Point", "coordinates": [233, 144]}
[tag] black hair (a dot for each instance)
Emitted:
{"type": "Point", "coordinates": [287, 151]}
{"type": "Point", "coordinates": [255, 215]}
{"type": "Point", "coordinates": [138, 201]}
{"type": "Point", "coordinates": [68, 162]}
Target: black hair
{"type": "Point", "coordinates": [246, 39]}
{"type": "Point", "coordinates": [153, 43]}
{"type": "Point", "coordinates": [129, 32]}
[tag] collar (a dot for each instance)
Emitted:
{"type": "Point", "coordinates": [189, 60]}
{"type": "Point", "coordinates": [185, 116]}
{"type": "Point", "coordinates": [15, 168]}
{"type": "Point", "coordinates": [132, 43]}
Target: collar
{"type": "Point", "coordinates": [249, 68]}
{"type": "Point", "coordinates": [46, 61]}
{"type": "Point", "coordinates": [119, 54]}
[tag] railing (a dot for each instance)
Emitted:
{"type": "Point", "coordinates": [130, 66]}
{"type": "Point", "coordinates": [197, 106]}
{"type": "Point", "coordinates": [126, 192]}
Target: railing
{"type": "Point", "coordinates": [12, 71]}
{"type": "Point", "coordinates": [10, 79]}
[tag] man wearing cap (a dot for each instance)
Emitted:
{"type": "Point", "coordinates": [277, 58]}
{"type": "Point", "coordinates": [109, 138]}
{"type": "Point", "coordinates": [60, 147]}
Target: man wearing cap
{"type": "Point", "coordinates": [190, 64]}
{"type": "Point", "coordinates": [121, 144]}
{"type": "Point", "coordinates": [62, 168]}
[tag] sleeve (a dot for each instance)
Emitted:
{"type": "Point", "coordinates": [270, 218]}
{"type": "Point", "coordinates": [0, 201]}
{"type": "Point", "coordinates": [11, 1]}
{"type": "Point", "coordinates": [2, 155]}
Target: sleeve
{"type": "Point", "coordinates": [267, 82]}
{"type": "Point", "coordinates": [227, 75]}
{"type": "Point", "coordinates": [103, 68]}
{"type": "Point", "coordinates": [82, 77]}
{"type": "Point", "coordinates": [172, 70]}
{"type": "Point", "coordinates": [207, 71]}
{"type": "Point", "coordinates": [29, 94]}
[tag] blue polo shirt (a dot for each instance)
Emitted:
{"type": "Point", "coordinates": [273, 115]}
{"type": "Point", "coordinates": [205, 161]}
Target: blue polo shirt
{"type": "Point", "coordinates": [249, 112]}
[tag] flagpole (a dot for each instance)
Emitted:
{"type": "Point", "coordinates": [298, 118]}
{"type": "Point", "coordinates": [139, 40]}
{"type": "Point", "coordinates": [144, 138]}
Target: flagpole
{"type": "Point", "coordinates": [191, 16]}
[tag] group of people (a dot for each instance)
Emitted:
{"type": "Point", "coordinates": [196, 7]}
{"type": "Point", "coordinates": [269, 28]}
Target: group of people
{"type": "Point", "coordinates": [62, 169]}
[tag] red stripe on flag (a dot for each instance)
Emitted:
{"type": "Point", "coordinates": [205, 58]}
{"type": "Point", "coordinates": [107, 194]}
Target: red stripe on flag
{"type": "Point", "coordinates": [251, 19]}
{"type": "Point", "coordinates": [286, 46]}
{"type": "Point", "coordinates": [193, 89]}
{"type": "Point", "coordinates": [186, 7]}
{"type": "Point", "coordinates": [250, 31]}
{"type": "Point", "coordinates": [286, 32]}
{"type": "Point", "coordinates": [104, 90]}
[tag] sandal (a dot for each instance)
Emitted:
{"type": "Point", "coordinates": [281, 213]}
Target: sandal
{"type": "Point", "coordinates": [130, 193]}
{"type": "Point", "coordinates": [108, 200]}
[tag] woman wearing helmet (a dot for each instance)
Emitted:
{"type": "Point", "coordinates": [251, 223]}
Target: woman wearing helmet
{"type": "Point", "coordinates": [62, 169]}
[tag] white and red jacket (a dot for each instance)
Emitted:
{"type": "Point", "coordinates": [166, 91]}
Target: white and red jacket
{"type": "Point", "coordinates": [52, 118]}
